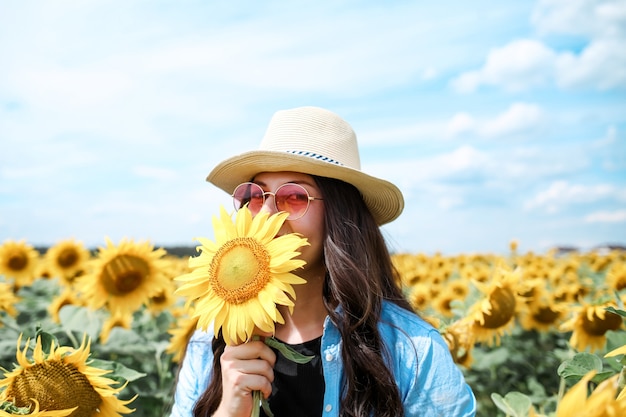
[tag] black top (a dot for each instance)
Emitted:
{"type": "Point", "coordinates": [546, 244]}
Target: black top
{"type": "Point", "coordinates": [298, 389]}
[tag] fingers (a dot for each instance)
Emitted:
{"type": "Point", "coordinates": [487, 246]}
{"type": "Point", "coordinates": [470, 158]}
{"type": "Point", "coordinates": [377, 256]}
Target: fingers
{"type": "Point", "coordinates": [246, 368]}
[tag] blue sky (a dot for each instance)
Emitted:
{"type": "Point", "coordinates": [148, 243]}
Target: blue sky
{"type": "Point", "coordinates": [497, 120]}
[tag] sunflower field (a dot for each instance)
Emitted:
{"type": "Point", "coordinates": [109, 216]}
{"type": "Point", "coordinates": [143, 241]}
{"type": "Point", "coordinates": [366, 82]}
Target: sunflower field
{"type": "Point", "coordinates": [102, 332]}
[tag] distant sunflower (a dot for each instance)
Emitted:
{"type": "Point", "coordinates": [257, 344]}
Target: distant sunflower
{"type": "Point", "coordinates": [458, 337]}
{"type": "Point", "coordinates": [67, 259]}
{"type": "Point", "coordinates": [616, 276]}
{"type": "Point", "coordinates": [589, 326]}
{"type": "Point", "coordinates": [124, 277]}
{"type": "Point", "coordinates": [8, 300]}
{"type": "Point", "coordinates": [124, 321]}
{"type": "Point", "coordinates": [419, 296]}
{"type": "Point", "coordinates": [18, 260]}
{"type": "Point", "coordinates": [163, 300]}
{"type": "Point", "coordinates": [544, 314]}
{"type": "Point", "coordinates": [61, 380]}
{"type": "Point", "coordinates": [493, 315]}
{"type": "Point", "coordinates": [67, 297]}
{"type": "Point", "coordinates": [181, 333]}
{"type": "Point", "coordinates": [238, 281]}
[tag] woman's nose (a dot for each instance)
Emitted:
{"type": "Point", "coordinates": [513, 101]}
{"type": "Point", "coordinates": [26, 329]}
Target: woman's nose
{"type": "Point", "coordinates": [268, 205]}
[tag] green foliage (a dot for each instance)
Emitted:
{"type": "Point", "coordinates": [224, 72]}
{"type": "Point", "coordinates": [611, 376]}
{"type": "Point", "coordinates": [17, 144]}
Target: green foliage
{"type": "Point", "coordinates": [136, 356]}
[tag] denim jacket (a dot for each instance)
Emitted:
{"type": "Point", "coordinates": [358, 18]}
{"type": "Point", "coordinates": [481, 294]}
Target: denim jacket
{"type": "Point", "coordinates": [430, 383]}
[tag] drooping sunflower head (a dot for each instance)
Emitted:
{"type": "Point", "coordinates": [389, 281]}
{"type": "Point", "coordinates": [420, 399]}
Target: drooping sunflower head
{"type": "Point", "coordinates": [238, 281]}
{"type": "Point", "coordinates": [67, 259]}
{"type": "Point", "coordinates": [124, 277]}
{"type": "Point", "coordinates": [62, 379]}
{"type": "Point", "coordinates": [459, 338]}
{"type": "Point", "coordinates": [18, 260]}
{"type": "Point", "coordinates": [544, 314]}
{"type": "Point", "coordinates": [495, 313]}
{"type": "Point", "coordinates": [590, 324]}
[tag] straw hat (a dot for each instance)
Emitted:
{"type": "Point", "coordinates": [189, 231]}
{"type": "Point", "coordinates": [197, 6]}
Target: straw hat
{"type": "Point", "coordinates": [313, 141]}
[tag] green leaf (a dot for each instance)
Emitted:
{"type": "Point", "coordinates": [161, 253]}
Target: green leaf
{"type": "Point", "coordinates": [81, 320]}
{"type": "Point", "coordinates": [616, 311]}
{"type": "Point", "coordinates": [579, 366]}
{"type": "Point", "coordinates": [514, 403]}
{"type": "Point", "coordinates": [118, 371]}
{"type": "Point", "coordinates": [47, 339]}
{"type": "Point", "coordinates": [287, 351]}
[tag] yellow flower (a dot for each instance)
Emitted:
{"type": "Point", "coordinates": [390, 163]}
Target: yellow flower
{"type": "Point", "coordinates": [492, 316]}
{"type": "Point", "coordinates": [124, 277]}
{"type": "Point", "coordinates": [543, 314]}
{"type": "Point", "coordinates": [181, 332]}
{"type": "Point", "coordinates": [67, 259]}
{"type": "Point", "coordinates": [18, 260]}
{"type": "Point", "coordinates": [589, 326]}
{"type": "Point", "coordinates": [7, 300]}
{"type": "Point", "coordinates": [67, 297]}
{"type": "Point", "coordinates": [125, 321]}
{"type": "Point", "coordinates": [61, 380]}
{"type": "Point", "coordinates": [600, 403]}
{"type": "Point", "coordinates": [238, 280]}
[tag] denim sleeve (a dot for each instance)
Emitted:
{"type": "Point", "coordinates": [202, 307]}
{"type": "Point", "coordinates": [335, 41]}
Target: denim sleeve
{"type": "Point", "coordinates": [437, 386]}
{"type": "Point", "coordinates": [194, 374]}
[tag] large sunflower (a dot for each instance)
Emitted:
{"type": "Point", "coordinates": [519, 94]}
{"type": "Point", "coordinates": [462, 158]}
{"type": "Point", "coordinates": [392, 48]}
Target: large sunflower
{"type": "Point", "coordinates": [67, 259]}
{"type": "Point", "coordinates": [18, 260]}
{"type": "Point", "coordinates": [124, 277]}
{"type": "Point", "coordinates": [237, 281]}
{"type": "Point", "coordinates": [62, 380]}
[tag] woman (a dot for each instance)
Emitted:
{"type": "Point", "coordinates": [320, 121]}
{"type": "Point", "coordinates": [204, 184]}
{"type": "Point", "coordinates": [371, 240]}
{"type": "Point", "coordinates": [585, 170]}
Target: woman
{"type": "Point", "coordinates": [373, 356]}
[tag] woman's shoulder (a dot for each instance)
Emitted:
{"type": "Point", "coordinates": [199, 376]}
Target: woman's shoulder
{"type": "Point", "coordinates": [403, 320]}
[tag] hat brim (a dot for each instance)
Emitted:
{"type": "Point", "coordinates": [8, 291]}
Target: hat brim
{"type": "Point", "coordinates": [384, 199]}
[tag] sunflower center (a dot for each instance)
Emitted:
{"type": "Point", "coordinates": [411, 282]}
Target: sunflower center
{"type": "Point", "coordinates": [545, 315]}
{"type": "Point", "coordinates": [124, 273]}
{"type": "Point", "coordinates": [57, 386]}
{"type": "Point", "coordinates": [598, 326]}
{"type": "Point", "coordinates": [502, 308]}
{"type": "Point", "coordinates": [17, 261]}
{"type": "Point", "coordinates": [67, 258]}
{"type": "Point", "coordinates": [239, 270]}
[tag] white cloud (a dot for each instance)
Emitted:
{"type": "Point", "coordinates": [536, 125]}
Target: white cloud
{"type": "Point", "coordinates": [601, 65]}
{"type": "Point", "coordinates": [518, 118]}
{"type": "Point", "coordinates": [561, 194]}
{"type": "Point", "coordinates": [460, 124]}
{"type": "Point", "coordinates": [590, 18]}
{"type": "Point", "coordinates": [617, 216]}
{"type": "Point", "coordinates": [516, 66]}
{"type": "Point", "coordinates": [528, 63]}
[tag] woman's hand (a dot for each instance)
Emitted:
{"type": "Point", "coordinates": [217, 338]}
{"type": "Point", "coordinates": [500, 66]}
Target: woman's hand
{"type": "Point", "coordinates": [245, 368]}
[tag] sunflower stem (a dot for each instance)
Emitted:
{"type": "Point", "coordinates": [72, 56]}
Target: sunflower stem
{"type": "Point", "coordinates": [256, 404]}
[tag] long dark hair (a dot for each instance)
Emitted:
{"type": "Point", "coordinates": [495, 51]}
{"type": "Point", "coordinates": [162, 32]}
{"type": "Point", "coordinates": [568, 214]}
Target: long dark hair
{"type": "Point", "coordinates": [360, 275]}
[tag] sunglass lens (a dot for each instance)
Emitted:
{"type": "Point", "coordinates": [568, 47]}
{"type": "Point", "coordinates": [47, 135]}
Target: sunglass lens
{"type": "Point", "coordinates": [250, 194]}
{"type": "Point", "coordinates": [293, 199]}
